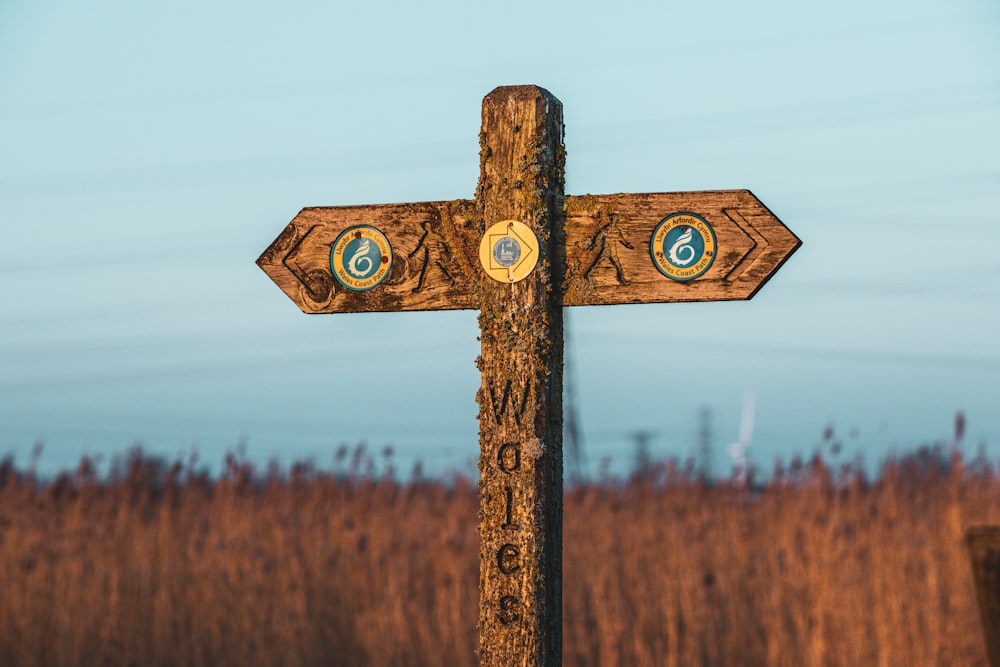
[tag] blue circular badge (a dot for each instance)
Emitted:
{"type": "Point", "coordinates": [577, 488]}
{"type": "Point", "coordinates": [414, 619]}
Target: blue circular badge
{"type": "Point", "coordinates": [683, 246]}
{"type": "Point", "coordinates": [361, 258]}
{"type": "Point", "coordinates": [506, 251]}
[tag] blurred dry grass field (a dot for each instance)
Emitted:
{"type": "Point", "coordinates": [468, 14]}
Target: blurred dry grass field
{"type": "Point", "coordinates": [159, 565]}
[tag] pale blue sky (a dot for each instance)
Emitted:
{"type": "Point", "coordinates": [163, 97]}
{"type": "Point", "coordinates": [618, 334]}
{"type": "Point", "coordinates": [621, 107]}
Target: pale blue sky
{"type": "Point", "coordinates": [150, 152]}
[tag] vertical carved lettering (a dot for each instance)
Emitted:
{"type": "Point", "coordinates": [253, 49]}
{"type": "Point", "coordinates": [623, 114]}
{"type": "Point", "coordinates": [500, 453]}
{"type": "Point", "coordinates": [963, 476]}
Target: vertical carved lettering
{"type": "Point", "coordinates": [509, 457]}
{"type": "Point", "coordinates": [508, 521]}
{"type": "Point", "coordinates": [507, 559]}
{"type": "Point", "coordinates": [508, 607]}
{"type": "Point", "coordinates": [500, 410]}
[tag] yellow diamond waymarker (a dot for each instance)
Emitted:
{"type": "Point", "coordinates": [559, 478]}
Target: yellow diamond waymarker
{"type": "Point", "coordinates": [508, 251]}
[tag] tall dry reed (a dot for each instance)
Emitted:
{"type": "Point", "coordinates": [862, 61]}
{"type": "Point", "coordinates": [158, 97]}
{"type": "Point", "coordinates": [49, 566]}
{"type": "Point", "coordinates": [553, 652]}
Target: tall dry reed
{"type": "Point", "coordinates": [159, 565]}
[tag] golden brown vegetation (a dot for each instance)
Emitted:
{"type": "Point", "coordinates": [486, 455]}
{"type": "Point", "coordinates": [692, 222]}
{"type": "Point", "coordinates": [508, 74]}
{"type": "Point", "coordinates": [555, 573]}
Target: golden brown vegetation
{"type": "Point", "coordinates": [162, 566]}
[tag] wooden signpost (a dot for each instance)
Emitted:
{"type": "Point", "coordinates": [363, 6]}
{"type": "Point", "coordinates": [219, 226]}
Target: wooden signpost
{"type": "Point", "coordinates": [983, 543]}
{"type": "Point", "coordinates": [519, 252]}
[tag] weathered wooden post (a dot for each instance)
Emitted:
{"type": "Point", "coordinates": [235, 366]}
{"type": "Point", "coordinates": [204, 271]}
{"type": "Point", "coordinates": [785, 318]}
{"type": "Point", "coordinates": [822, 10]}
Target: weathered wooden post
{"type": "Point", "coordinates": [520, 399]}
{"type": "Point", "coordinates": [984, 550]}
{"type": "Point", "coordinates": [520, 252]}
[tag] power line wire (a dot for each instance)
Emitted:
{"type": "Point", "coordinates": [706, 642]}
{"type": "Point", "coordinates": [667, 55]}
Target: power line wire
{"type": "Point", "coordinates": [739, 347]}
{"type": "Point", "coordinates": [440, 152]}
{"type": "Point", "coordinates": [353, 82]}
{"type": "Point", "coordinates": [743, 348]}
{"type": "Point", "coordinates": [221, 370]}
{"type": "Point", "coordinates": [74, 257]}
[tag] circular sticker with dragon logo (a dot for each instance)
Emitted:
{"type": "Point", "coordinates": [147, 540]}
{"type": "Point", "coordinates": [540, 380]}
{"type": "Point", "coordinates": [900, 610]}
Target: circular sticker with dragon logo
{"type": "Point", "coordinates": [361, 258]}
{"type": "Point", "coordinates": [683, 246]}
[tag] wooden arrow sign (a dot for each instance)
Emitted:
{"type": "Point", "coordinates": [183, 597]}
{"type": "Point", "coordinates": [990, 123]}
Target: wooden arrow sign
{"type": "Point", "coordinates": [518, 253]}
{"type": "Point", "coordinates": [609, 259]}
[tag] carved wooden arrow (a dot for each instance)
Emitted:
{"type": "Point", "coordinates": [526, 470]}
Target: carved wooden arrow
{"type": "Point", "coordinates": [608, 258]}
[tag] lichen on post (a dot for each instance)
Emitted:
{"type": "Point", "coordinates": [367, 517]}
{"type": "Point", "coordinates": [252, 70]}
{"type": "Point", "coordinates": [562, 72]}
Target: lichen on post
{"type": "Point", "coordinates": [520, 398]}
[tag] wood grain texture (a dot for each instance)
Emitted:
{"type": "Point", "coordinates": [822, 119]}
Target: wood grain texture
{"type": "Point", "coordinates": [520, 399]}
{"type": "Point", "coordinates": [433, 246]}
{"type": "Point", "coordinates": [608, 255]}
{"type": "Point", "coordinates": [435, 249]}
{"type": "Point", "coordinates": [984, 550]}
